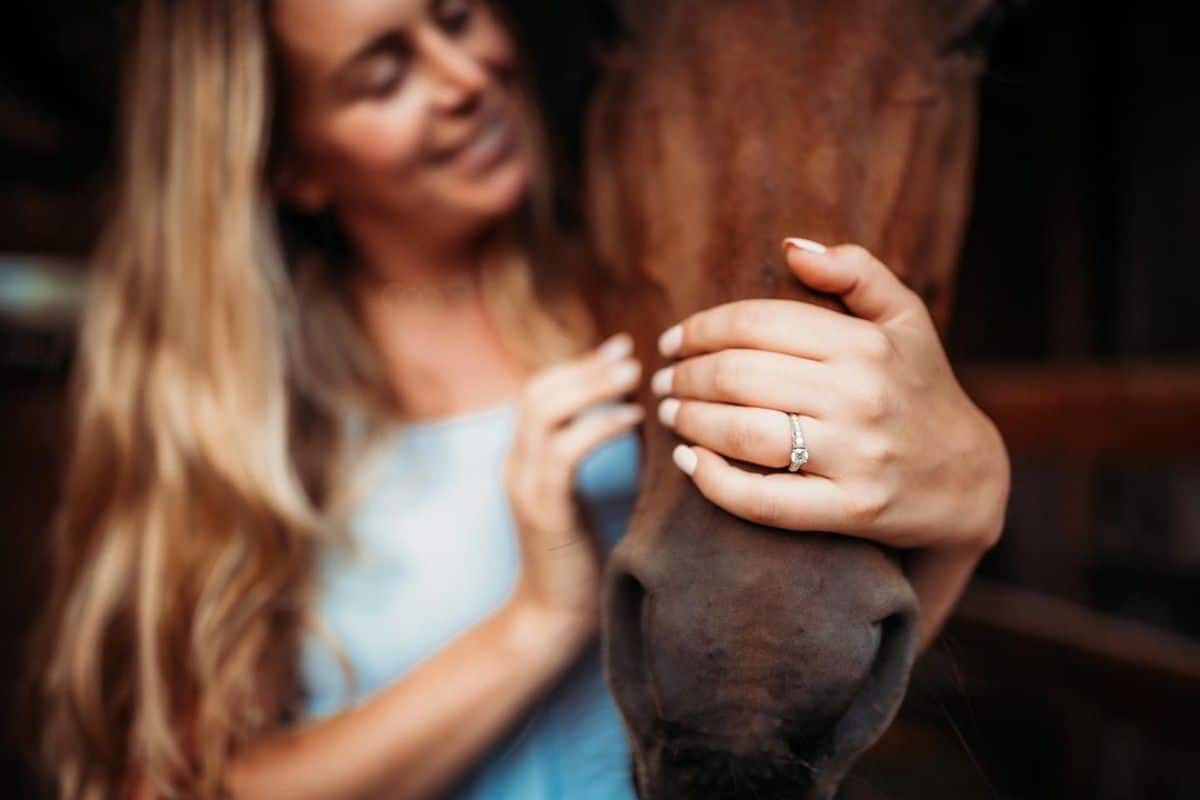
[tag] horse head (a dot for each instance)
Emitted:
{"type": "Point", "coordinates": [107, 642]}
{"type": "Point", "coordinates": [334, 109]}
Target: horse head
{"type": "Point", "coordinates": [749, 661]}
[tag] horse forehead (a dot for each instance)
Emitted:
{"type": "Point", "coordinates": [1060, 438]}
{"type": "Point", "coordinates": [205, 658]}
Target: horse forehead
{"type": "Point", "coordinates": [863, 25]}
{"type": "Point", "coordinates": [746, 120]}
{"type": "Point", "coordinates": [743, 70]}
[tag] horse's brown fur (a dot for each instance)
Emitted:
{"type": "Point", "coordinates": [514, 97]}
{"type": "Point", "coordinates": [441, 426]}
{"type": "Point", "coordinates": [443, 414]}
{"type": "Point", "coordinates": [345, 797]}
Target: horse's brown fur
{"type": "Point", "coordinates": [748, 661]}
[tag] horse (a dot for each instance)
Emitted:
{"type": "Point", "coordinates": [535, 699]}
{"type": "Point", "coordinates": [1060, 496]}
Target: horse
{"type": "Point", "coordinates": [748, 661]}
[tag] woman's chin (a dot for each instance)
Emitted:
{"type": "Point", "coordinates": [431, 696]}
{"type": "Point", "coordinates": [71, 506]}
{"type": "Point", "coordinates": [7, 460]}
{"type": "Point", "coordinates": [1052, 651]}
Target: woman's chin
{"type": "Point", "coordinates": [500, 194]}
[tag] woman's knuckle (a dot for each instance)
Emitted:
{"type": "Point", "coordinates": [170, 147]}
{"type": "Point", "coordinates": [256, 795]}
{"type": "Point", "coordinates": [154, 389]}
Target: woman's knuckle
{"type": "Point", "coordinates": [873, 400]}
{"type": "Point", "coordinates": [856, 254]}
{"type": "Point", "coordinates": [746, 320]}
{"type": "Point", "coordinates": [742, 438]}
{"type": "Point", "coordinates": [880, 452]}
{"type": "Point", "coordinates": [728, 374]}
{"type": "Point", "coordinates": [875, 345]}
{"type": "Point", "coordinates": [696, 327]}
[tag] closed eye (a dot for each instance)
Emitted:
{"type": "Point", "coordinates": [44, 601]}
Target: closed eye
{"type": "Point", "coordinates": [382, 73]}
{"type": "Point", "coordinates": [455, 16]}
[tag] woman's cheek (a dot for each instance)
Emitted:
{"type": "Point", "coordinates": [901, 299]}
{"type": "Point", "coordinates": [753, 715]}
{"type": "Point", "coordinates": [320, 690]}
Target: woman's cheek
{"type": "Point", "coordinates": [381, 137]}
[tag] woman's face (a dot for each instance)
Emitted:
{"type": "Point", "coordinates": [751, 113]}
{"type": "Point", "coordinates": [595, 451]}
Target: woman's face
{"type": "Point", "coordinates": [404, 113]}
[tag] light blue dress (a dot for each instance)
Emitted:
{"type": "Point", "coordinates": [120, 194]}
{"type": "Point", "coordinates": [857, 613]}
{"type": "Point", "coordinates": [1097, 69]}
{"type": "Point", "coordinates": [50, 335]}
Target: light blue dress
{"type": "Point", "coordinates": [439, 554]}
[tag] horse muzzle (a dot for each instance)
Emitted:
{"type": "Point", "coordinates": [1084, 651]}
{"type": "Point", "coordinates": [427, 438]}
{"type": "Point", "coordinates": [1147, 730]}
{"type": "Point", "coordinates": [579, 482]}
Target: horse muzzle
{"type": "Point", "coordinates": [754, 662]}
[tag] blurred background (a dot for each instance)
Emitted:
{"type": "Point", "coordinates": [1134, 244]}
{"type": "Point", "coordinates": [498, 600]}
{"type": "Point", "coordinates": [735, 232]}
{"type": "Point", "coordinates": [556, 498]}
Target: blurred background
{"type": "Point", "coordinates": [1072, 668]}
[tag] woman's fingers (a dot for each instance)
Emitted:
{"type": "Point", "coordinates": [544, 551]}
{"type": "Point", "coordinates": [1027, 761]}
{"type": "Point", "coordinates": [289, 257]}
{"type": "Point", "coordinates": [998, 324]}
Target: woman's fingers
{"type": "Point", "coordinates": [783, 326]}
{"type": "Point", "coordinates": [756, 435]}
{"type": "Point", "coordinates": [868, 288]}
{"type": "Point", "coordinates": [750, 378]}
{"type": "Point", "coordinates": [557, 394]}
{"type": "Point", "coordinates": [871, 291]}
{"type": "Point", "coordinates": [570, 444]}
{"type": "Point", "coordinates": [566, 411]}
{"type": "Point", "coordinates": [798, 502]}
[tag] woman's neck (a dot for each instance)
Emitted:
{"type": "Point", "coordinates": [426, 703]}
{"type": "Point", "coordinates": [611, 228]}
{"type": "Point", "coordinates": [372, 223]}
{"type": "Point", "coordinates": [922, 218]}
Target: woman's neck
{"type": "Point", "coordinates": [439, 348]}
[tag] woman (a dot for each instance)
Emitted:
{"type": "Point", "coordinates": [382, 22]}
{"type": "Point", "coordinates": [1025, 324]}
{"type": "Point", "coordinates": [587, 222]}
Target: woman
{"type": "Point", "coordinates": [349, 266]}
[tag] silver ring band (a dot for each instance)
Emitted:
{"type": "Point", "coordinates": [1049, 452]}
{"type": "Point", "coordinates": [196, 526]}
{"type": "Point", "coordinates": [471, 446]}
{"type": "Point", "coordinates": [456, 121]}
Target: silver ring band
{"type": "Point", "coordinates": [799, 456]}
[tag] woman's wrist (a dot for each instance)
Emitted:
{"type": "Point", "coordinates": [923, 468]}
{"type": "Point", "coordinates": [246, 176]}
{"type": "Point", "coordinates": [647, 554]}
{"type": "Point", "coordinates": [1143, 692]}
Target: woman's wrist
{"type": "Point", "coordinates": [990, 503]}
{"type": "Point", "coordinates": [544, 635]}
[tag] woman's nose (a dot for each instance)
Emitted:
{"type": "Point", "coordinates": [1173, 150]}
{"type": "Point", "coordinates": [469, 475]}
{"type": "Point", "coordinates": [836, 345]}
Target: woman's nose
{"type": "Point", "coordinates": [458, 77]}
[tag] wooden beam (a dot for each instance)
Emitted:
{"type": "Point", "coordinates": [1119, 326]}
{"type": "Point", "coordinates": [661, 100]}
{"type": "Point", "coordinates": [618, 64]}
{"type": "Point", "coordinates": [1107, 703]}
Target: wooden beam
{"type": "Point", "coordinates": [1011, 639]}
{"type": "Point", "coordinates": [1143, 411]}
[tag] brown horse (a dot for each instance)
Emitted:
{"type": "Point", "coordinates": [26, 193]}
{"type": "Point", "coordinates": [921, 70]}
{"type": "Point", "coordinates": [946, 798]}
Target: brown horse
{"type": "Point", "coordinates": [748, 661]}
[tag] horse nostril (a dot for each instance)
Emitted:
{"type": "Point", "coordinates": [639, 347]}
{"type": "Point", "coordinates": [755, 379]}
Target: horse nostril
{"type": "Point", "coordinates": [625, 648]}
{"type": "Point", "coordinates": [816, 739]}
{"type": "Point", "coordinates": [874, 705]}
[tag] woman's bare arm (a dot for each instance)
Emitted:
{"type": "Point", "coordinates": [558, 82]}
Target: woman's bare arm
{"type": "Point", "coordinates": [421, 734]}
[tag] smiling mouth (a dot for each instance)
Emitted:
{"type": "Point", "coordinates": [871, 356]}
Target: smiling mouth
{"type": "Point", "coordinates": [492, 141]}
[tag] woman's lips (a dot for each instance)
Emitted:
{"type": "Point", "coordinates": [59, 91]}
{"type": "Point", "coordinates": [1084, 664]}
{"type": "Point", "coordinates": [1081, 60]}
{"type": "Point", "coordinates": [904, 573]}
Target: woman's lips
{"type": "Point", "coordinates": [493, 141]}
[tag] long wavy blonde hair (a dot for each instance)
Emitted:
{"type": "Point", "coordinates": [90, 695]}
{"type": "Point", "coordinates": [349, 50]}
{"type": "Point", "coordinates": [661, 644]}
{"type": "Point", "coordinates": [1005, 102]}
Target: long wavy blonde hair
{"type": "Point", "coordinates": [208, 437]}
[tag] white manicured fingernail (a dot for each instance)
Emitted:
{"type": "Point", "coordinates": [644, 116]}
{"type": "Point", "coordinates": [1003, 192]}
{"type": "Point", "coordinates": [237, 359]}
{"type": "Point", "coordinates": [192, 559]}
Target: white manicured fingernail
{"type": "Point", "coordinates": [807, 245]}
{"type": "Point", "coordinates": [685, 458]}
{"type": "Point", "coordinates": [625, 372]}
{"type": "Point", "coordinates": [616, 348]}
{"type": "Point", "coordinates": [660, 384]}
{"type": "Point", "coordinates": [671, 340]}
{"type": "Point", "coordinates": [668, 410]}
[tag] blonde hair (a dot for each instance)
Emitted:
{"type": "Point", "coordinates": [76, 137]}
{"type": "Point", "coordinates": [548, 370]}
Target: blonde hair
{"type": "Point", "coordinates": [200, 484]}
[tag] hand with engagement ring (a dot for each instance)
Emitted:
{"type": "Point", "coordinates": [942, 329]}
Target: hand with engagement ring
{"type": "Point", "coordinates": [852, 405]}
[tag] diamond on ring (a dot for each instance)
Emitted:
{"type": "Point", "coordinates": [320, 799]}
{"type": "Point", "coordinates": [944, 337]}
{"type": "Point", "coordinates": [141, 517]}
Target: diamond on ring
{"type": "Point", "coordinates": [799, 456]}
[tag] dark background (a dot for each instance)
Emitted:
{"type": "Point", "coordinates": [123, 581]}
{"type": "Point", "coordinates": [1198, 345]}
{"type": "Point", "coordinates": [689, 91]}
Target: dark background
{"type": "Point", "coordinates": [1072, 669]}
